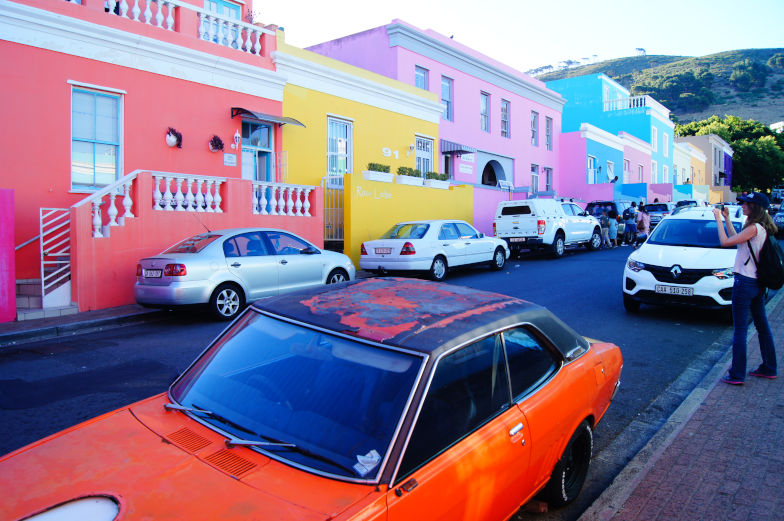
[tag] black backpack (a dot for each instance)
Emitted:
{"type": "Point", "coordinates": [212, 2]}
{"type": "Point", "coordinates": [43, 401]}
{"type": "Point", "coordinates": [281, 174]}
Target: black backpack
{"type": "Point", "coordinates": [770, 265]}
{"type": "Point", "coordinates": [627, 214]}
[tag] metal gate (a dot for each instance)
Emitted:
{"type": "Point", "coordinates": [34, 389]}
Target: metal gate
{"type": "Point", "coordinates": [55, 233]}
{"type": "Point", "coordinates": [332, 185]}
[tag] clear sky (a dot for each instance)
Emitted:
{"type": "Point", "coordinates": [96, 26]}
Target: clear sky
{"type": "Point", "coordinates": [525, 34]}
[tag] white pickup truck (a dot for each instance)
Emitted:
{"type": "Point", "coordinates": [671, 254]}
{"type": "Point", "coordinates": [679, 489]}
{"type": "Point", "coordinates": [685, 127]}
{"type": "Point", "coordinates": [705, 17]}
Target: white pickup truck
{"type": "Point", "coordinates": [532, 224]}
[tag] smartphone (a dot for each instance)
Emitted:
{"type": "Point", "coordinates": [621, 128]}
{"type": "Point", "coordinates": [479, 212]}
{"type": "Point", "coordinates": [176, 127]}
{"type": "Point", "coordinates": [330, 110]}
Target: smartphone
{"type": "Point", "coordinates": [720, 206]}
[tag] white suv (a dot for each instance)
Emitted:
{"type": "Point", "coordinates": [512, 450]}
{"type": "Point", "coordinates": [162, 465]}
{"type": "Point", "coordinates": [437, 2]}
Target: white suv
{"type": "Point", "coordinates": [682, 263]}
{"type": "Point", "coordinates": [545, 223]}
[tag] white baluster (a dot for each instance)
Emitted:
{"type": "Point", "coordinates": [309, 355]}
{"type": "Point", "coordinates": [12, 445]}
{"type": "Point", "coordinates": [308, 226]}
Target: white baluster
{"type": "Point", "coordinates": [159, 14]}
{"type": "Point", "coordinates": [248, 42]}
{"type": "Point", "coordinates": [264, 200]}
{"type": "Point", "coordinates": [97, 220]}
{"type": "Point", "coordinates": [254, 199]}
{"type": "Point", "coordinates": [167, 196]}
{"type": "Point", "coordinates": [148, 12]}
{"type": "Point", "coordinates": [273, 200]}
{"type": "Point", "coordinates": [217, 199]}
{"type": "Point", "coordinates": [156, 193]}
{"type": "Point", "coordinates": [306, 204]}
{"type": "Point", "coordinates": [208, 196]}
{"type": "Point", "coordinates": [189, 195]}
{"type": "Point", "coordinates": [127, 201]}
{"type": "Point", "coordinates": [136, 10]}
{"type": "Point", "coordinates": [203, 26]}
{"type": "Point", "coordinates": [220, 36]}
{"type": "Point", "coordinates": [257, 46]}
{"type": "Point", "coordinates": [124, 9]}
{"type": "Point", "coordinates": [298, 202]}
{"type": "Point", "coordinates": [212, 27]}
{"type": "Point", "coordinates": [112, 4]}
{"type": "Point", "coordinates": [111, 212]}
{"type": "Point", "coordinates": [178, 197]}
{"type": "Point", "coordinates": [282, 201]}
{"type": "Point", "coordinates": [169, 16]}
{"type": "Point", "coordinates": [199, 196]}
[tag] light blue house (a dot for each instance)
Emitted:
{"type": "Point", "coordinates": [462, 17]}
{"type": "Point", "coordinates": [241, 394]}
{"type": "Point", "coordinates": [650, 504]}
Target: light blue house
{"type": "Point", "coordinates": [598, 100]}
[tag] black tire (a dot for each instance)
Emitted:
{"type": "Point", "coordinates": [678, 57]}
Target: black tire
{"type": "Point", "coordinates": [438, 269]}
{"type": "Point", "coordinates": [336, 276]}
{"type": "Point", "coordinates": [226, 301]}
{"type": "Point", "coordinates": [570, 471]}
{"type": "Point", "coordinates": [596, 240]}
{"type": "Point", "coordinates": [559, 245]}
{"type": "Point", "coordinates": [499, 259]}
{"type": "Point", "coordinates": [631, 305]}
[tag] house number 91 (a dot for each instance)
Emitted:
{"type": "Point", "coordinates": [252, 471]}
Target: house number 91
{"type": "Point", "coordinates": [388, 152]}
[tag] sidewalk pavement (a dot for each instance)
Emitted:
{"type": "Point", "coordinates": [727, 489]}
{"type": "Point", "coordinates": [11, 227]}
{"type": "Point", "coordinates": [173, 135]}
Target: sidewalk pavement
{"type": "Point", "coordinates": [720, 455]}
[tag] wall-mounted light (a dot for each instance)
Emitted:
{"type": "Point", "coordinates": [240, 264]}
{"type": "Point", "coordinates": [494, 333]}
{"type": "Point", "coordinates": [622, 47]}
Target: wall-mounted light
{"type": "Point", "coordinates": [237, 138]}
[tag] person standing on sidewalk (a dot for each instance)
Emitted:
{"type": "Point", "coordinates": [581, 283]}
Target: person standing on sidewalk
{"type": "Point", "coordinates": [748, 296]}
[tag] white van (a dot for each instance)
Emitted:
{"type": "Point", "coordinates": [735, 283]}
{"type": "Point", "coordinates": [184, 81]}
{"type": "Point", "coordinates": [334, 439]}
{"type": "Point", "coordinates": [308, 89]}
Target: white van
{"type": "Point", "coordinates": [532, 224]}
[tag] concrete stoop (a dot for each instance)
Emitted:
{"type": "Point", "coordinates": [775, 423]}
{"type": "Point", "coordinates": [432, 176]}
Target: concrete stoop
{"type": "Point", "coordinates": [29, 304]}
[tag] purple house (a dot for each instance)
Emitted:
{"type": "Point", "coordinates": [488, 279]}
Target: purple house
{"type": "Point", "coordinates": [500, 128]}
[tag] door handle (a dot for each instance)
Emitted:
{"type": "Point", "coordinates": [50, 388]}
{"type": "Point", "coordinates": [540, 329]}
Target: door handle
{"type": "Point", "coordinates": [284, 261]}
{"type": "Point", "coordinates": [408, 486]}
{"type": "Point", "coordinates": [516, 429]}
{"type": "Point", "coordinates": [236, 265]}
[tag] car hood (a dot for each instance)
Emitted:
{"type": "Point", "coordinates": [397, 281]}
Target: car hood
{"type": "Point", "coordinates": [160, 464]}
{"type": "Point", "coordinates": [685, 256]}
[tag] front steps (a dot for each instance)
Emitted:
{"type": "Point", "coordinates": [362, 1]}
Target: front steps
{"type": "Point", "coordinates": [29, 303]}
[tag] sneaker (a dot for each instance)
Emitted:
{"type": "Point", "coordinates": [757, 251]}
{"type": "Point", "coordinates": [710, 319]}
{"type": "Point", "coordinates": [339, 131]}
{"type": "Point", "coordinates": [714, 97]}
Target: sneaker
{"type": "Point", "coordinates": [759, 374]}
{"type": "Point", "coordinates": [727, 379]}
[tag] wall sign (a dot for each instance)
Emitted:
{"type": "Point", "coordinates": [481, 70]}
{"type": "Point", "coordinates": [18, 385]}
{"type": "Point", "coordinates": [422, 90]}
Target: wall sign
{"type": "Point", "coordinates": [466, 169]}
{"type": "Point", "coordinates": [372, 193]}
{"type": "Point", "coordinates": [229, 159]}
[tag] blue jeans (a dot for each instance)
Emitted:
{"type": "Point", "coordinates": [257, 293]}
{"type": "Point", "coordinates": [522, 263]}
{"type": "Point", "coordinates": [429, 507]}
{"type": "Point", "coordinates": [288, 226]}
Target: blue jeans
{"type": "Point", "coordinates": [748, 297]}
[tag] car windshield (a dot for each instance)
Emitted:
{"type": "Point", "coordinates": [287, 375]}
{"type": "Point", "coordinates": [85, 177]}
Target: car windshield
{"type": "Point", "coordinates": [193, 244]}
{"type": "Point", "coordinates": [407, 231]}
{"type": "Point", "coordinates": [654, 207]}
{"type": "Point", "coordinates": [698, 233]}
{"type": "Point", "coordinates": [596, 209]}
{"type": "Point", "coordinates": [336, 402]}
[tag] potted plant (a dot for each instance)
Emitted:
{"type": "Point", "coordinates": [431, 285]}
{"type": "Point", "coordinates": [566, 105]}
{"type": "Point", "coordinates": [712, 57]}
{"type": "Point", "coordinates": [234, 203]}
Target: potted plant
{"type": "Point", "coordinates": [215, 143]}
{"type": "Point", "coordinates": [436, 180]}
{"type": "Point", "coordinates": [173, 138]}
{"type": "Point", "coordinates": [409, 176]}
{"type": "Point", "coordinates": [378, 172]}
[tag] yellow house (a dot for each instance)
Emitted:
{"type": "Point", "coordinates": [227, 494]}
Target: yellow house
{"type": "Point", "coordinates": [353, 117]}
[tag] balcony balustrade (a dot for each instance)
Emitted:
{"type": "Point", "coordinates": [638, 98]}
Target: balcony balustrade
{"type": "Point", "coordinates": [635, 102]}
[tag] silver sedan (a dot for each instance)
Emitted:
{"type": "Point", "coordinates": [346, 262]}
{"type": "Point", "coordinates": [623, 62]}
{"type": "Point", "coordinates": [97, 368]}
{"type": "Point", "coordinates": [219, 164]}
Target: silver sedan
{"type": "Point", "coordinates": [228, 268]}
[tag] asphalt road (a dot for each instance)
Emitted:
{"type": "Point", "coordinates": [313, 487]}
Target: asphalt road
{"type": "Point", "coordinates": [50, 385]}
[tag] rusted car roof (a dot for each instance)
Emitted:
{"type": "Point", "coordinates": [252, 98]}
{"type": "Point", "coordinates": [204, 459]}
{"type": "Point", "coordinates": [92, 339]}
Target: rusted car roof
{"type": "Point", "coordinates": [416, 314]}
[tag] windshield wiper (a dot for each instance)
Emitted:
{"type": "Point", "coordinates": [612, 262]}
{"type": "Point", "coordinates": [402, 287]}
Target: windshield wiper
{"type": "Point", "coordinates": [296, 448]}
{"type": "Point", "coordinates": [198, 410]}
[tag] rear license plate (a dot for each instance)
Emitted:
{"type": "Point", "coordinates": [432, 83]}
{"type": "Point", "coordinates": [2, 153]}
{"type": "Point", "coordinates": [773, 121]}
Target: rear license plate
{"type": "Point", "coordinates": [152, 274]}
{"type": "Point", "coordinates": [517, 239]}
{"type": "Point", "coordinates": [383, 251]}
{"type": "Point", "coordinates": [674, 290]}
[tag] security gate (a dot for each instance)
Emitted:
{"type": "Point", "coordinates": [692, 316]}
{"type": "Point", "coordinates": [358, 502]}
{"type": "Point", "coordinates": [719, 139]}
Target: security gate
{"type": "Point", "coordinates": [332, 185]}
{"type": "Point", "coordinates": [55, 233]}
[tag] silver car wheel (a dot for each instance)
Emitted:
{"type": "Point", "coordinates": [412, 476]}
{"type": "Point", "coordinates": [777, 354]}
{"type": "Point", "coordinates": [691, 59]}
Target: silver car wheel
{"type": "Point", "coordinates": [438, 269]}
{"type": "Point", "coordinates": [228, 302]}
{"type": "Point", "coordinates": [336, 276]}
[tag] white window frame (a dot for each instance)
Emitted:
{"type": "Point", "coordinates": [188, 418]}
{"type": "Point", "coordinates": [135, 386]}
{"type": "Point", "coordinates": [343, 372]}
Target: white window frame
{"type": "Point", "coordinates": [96, 90]}
{"type": "Point", "coordinates": [655, 139]}
{"type": "Point", "coordinates": [421, 72]}
{"type": "Point", "coordinates": [654, 172]}
{"type": "Point", "coordinates": [665, 174]}
{"type": "Point", "coordinates": [548, 133]}
{"type": "Point", "coordinates": [534, 178]}
{"type": "Point", "coordinates": [506, 109]}
{"type": "Point", "coordinates": [484, 111]}
{"type": "Point", "coordinates": [610, 171]}
{"type": "Point", "coordinates": [447, 101]}
{"type": "Point", "coordinates": [640, 173]}
{"type": "Point", "coordinates": [423, 154]}
{"type": "Point", "coordinates": [666, 145]}
{"type": "Point", "coordinates": [349, 145]}
{"type": "Point", "coordinates": [534, 128]}
{"type": "Point", "coordinates": [627, 167]}
{"type": "Point", "coordinates": [591, 170]}
{"type": "Point", "coordinates": [548, 178]}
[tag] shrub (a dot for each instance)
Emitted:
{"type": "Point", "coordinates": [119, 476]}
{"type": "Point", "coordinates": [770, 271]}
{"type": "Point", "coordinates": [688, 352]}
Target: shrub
{"type": "Point", "coordinates": [378, 167]}
{"type": "Point", "coordinates": [404, 170]}
{"type": "Point", "coordinates": [437, 176]}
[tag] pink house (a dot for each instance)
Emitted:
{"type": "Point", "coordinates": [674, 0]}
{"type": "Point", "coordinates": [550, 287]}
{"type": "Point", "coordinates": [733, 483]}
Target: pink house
{"type": "Point", "coordinates": [96, 86]}
{"type": "Point", "coordinates": [500, 128]}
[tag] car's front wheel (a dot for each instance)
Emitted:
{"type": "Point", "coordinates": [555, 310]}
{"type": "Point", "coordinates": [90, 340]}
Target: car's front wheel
{"type": "Point", "coordinates": [570, 471]}
{"type": "Point", "coordinates": [596, 240]}
{"type": "Point", "coordinates": [499, 259]}
{"type": "Point", "coordinates": [438, 269]}
{"type": "Point", "coordinates": [226, 301]}
{"type": "Point", "coordinates": [337, 275]}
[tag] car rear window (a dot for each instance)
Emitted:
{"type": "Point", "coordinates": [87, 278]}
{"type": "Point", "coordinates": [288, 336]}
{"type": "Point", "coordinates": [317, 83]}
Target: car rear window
{"type": "Point", "coordinates": [407, 231]}
{"type": "Point", "coordinates": [656, 208]}
{"type": "Point", "coordinates": [596, 209]}
{"type": "Point", "coordinates": [193, 244]}
{"type": "Point", "coordinates": [522, 209]}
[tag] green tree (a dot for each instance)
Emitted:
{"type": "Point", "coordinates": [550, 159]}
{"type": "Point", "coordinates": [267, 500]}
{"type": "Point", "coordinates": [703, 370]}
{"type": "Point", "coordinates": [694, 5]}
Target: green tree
{"type": "Point", "coordinates": [758, 153]}
{"type": "Point", "coordinates": [776, 61]}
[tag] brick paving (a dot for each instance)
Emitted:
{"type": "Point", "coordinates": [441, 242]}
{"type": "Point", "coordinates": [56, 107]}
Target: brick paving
{"type": "Point", "coordinates": [727, 462]}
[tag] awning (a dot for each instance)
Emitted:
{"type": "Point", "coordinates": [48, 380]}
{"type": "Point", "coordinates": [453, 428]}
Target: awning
{"type": "Point", "coordinates": [448, 147]}
{"type": "Point", "coordinates": [265, 118]}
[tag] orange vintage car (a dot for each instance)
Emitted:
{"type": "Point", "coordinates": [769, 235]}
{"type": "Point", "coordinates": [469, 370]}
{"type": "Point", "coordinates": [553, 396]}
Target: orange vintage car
{"type": "Point", "coordinates": [382, 398]}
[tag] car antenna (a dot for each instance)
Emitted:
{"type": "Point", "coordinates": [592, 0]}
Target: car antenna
{"type": "Point", "coordinates": [199, 220]}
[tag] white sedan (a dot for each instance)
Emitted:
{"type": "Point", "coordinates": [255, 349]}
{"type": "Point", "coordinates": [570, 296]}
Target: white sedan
{"type": "Point", "coordinates": [432, 246]}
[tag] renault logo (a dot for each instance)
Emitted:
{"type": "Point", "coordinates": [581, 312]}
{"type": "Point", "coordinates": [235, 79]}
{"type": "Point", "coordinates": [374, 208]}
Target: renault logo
{"type": "Point", "coordinates": [676, 271]}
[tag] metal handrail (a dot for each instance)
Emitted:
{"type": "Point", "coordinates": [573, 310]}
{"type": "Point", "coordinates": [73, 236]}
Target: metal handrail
{"type": "Point", "coordinates": [27, 242]}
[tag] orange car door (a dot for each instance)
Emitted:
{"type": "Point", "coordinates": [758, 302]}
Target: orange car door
{"type": "Point", "coordinates": [467, 457]}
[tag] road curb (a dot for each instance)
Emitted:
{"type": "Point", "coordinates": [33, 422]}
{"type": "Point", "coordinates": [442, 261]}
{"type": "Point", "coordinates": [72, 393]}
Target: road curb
{"type": "Point", "coordinates": [15, 338]}
{"type": "Point", "coordinates": [613, 498]}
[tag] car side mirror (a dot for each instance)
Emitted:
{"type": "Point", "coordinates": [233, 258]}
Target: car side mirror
{"type": "Point", "coordinates": [481, 235]}
{"type": "Point", "coordinates": [309, 251]}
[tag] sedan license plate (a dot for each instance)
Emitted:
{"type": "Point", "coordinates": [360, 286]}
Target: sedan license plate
{"type": "Point", "coordinates": [383, 251]}
{"type": "Point", "coordinates": [674, 290]}
{"type": "Point", "coordinates": [516, 239]}
{"type": "Point", "coordinates": [152, 274]}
